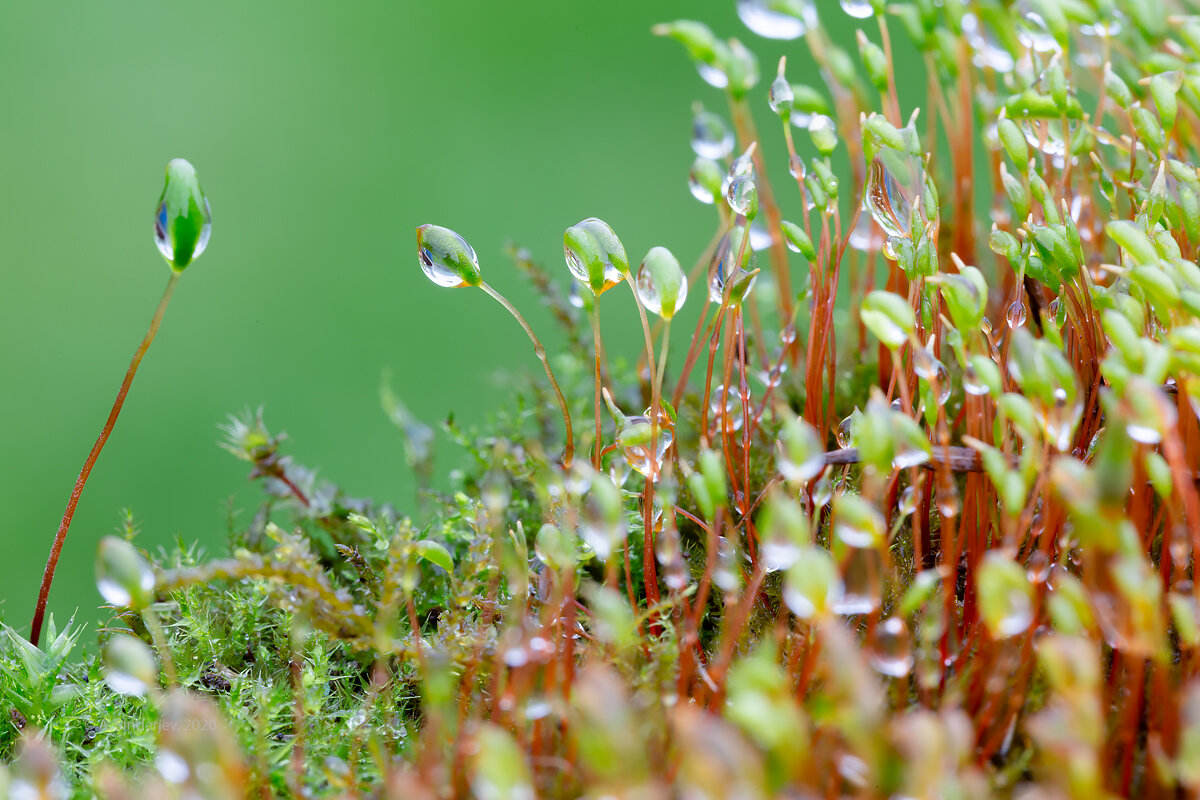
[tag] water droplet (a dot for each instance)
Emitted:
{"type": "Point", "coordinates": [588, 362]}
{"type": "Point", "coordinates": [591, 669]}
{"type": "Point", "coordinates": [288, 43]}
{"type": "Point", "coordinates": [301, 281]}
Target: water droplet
{"type": "Point", "coordinates": [446, 258]}
{"type": "Point", "coordinates": [1015, 315]}
{"type": "Point", "coordinates": [862, 579]}
{"type": "Point", "coordinates": [987, 51]}
{"type": "Point", "coordinates": [1040, 566]}
{"type": "Point", "coordinates": [727, 576]}
{"type": "Point", "coordinates": [713, 75]}
{"type": "Point", "coordinates": [661, 280]}
{"type": "Point", "coordinates": [1105, 27]}
{"type": "Point", "coordinates": [908, 501]}
{"type": "Point", "coordinates": [728, 413]}
{"type": "Point", "coordinates": [822, 491]}
{"type": "Point", "coordinates": [859, 9]}
{"type": "Point", "coordinates": [796, 167]}
{"type": "Point", "coordinates": [866, 236]}
{"type": "Point", "coordinates": [891, 248]}
{"type": "Point", "coordinates": [699, 188]}
{"type": "Point", "coordinates": [780, 95]}
{"type": "Point", "coordinates": [122, 575]}
{"type": "Point", "coordinates": [742, 195]}
{"type": "Point", "coordinates": [711, 137]}
{"type": "Point", "coordinates": [608, 246]}
{"type": "Point", "coordinates": [948, 502]}
{"type": "Point", "coordinates": [129, 666]}
{"type": "Point", "coordinates": [163, 240]}
{"type": "Point", "coordinates": [171, 766]}
{"type": "Point", "coordinates": [760, 237]}
{"type": "Point", "coordinates": [1142, 433]}
{"type": "Point", "coordinates": [972, 385]}
{"type": "Point", "coordinates": [634, 440]}
{"type": "Point", "coordinates": [762, 17]}
{"type": "Point", "coordinates": [1052, 311]}
{"type": "Point", "coordinates": [845, 432]}
{"type": "Point", "coordinates": [892, 191]}
{"type": "Point", "coordinates": [889, 648]}
{"type": "Point", "coordinates": [801, 452]}
{"type": "Point", "coordinates": [727, 251]}
{"type": "Point", "coordinates": [1032, 30]}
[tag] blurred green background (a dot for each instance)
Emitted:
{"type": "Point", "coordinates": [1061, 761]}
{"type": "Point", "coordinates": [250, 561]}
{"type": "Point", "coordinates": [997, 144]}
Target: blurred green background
{"type": "Point", "coordinates": [323, 134]}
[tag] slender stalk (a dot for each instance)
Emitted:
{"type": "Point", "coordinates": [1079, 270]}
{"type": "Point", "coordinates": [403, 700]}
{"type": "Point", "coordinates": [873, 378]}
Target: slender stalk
{"type": "Point", "coordinates": [649, 576]}
{"type": "Point", "coordinates": [35, 627]}
{"type": "Point", "coordinates": [569, 452]}
{"type": "Point", "coordinates": [596, 346]}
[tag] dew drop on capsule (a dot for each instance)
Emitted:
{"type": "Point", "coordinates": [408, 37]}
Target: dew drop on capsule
{"type": "Point", "coordinates": [726, 252]}
{"type": "Point", "coordinates": [1032, 30]}
{"type": "Point", "coordinates": [859, 9]}
{"type": "Point", "coordinates": [637, 454]}
{"type": "Point", "coordinates": [796, 167]}
{"type": "Point", "coordinates": [845, 432]}
{"type": "Point", "coordinates": [742, 195]}
{"type": "Point", "coordinates": [183, 217]}
{"type": "Point", "coordinates": [890, 203]}
{"type": "Point", "coordinates": [988, 53]}
{"type": "Point", "coordinates": [780, 95]}
{"type": "Point", "coordinates": [711, 137]}
{"type": "Point", "coordinates": [971, 383]}
{"type": "Point", "coordinates": [446, 258]}
{"type": "Point", "coordinates": [889, 649]}
{"type": "Point", "coordinates": [822, 493]}
{"type": "Point", "coordinates": [698, 187]}
{"type": "Point", "coordinates": [1015, 315]}
{"type": "Point", "coordinates": [122, 576]}
{"type": "Point", "coordinates": [661, 283]}
{"type": "Point", "coordinates": [862, 581]}
{"type": "Point", "coordinates": [760, 237]}
{"type": "Point", "coordinates": [764, 18]}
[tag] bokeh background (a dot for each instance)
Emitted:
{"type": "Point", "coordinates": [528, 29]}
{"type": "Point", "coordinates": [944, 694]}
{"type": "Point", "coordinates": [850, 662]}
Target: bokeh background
{"type": "Point", "coordinates": [323, 134]}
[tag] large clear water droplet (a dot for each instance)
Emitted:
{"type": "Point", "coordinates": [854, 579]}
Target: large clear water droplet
{"type": "Point", "coordinates": [859, 9]}
{"type": "Point", "coordinates": [862, 580]}
{"type": "Point", "coordinates": [726, 409]}
{"type": "Point", "coordinates": [1032, 30]}
{"type": "Point", "coordinates": [760, 237]}
{"type": "Point", "coordinates": [796, 166]}
{"type": "Point", "coordinates": [891, 192]}
{"type": "Point", "coordinates": [129, 666]}
{"type": "Point", "coordinates": [845, 432]}
{"type": "Point", "coordinates": [988, 53]}
{"type": "Point", "coordinates": [713, 75]}
{"type": "Point", "coordinates": [742, 194]}
{"type": "Point", "coordinates": [723, 257]}
{"type": "Point", "coordinates": [711, 137]}
{"type": "Point", "coordinates": [612, 275]}
{"type": "Point", "coordinates": [637, 454]}
{"type": "Point", "coordinates": [972, 384]}
{"type": "Point", "coordinates": [801, 452]}
{"type": "Point", "coordinates": [889, 649]}
{"type": "Point", "coordinates": [699, 188]}
{"type": "Point", "coordinates": [866, 236]}
{"type": "Point", "coordinates": [778, 19]}
{"type": "Point", "coordinates": [162, 238]}
{"type": "Point", "coordinates": [438, 262]}
{"type": "Point", "coordinates": [651, 294]}
{"type": "Point", "coordinates": [780, 95]}
{"type": "Point", "coordinates": [1015, 314]}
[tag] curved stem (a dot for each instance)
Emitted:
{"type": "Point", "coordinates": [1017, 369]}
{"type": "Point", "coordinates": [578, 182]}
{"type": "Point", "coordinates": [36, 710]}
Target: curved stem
{"type": "Point", "coordinates": [569, 451]}
{"type": "Point", "coordinates": [596, 341]}
{"type": "Point", "coordinates": [35, 627]}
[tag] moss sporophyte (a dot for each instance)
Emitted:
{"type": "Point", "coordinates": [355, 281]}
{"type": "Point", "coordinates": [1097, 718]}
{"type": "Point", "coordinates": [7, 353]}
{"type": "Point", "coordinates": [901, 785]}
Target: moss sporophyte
{"type": "Point", "coordinates": [926, 526]}
{"type": "Point", "coordinates": [182, 226]}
